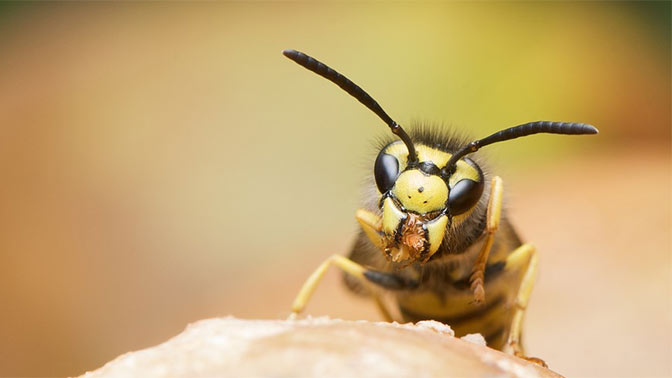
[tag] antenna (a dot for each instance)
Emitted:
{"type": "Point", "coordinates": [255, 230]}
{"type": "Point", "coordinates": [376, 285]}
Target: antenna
{"type": "Point", "coordinates": [355, 91]}
{"type": "Point", "coordinates": [567, 128]}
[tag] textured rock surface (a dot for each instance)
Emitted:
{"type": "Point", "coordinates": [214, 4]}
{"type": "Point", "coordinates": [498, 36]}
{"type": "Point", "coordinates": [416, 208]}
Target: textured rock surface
{"type": "Point", "coordinates": [317, 347]}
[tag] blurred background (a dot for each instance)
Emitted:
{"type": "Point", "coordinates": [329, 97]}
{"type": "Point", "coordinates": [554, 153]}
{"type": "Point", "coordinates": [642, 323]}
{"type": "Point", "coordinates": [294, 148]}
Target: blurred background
{"type": "Point", "coordinates": [162, 163]}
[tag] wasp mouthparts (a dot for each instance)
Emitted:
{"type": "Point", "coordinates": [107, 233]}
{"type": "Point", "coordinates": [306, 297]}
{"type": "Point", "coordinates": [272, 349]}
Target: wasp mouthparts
{"type": "Point", "coordinates": [413, 240]}
{"type": "Point", "coordinates": [413, 234]}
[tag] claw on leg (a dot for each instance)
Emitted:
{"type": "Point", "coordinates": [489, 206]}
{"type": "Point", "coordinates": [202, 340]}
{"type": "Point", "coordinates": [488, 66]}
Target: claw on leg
{"type": "Point", "coordinates": [518, 352]}
{"type": "Point", "coordinates": [534, 360]}
{"type": "Point", "coordinates": [477, 285]}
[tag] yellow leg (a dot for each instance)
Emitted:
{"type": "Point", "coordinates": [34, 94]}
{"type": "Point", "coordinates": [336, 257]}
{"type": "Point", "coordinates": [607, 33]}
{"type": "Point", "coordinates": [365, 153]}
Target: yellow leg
{"type": "Point", "coordinates": [346, 265]}
{"type": "Point", "coordinates": [524, 258]}
{"type": "Point", "coordinates": [493, 215]}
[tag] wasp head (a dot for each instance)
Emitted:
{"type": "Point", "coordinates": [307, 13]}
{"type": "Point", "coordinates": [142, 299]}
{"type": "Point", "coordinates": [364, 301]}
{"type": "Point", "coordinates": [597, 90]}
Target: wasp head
{"type": "Point", "coordinates": [420, 200]}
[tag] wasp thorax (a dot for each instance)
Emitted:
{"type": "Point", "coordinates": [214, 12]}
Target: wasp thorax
{"type": "Point", "coordinates": [420, 192]}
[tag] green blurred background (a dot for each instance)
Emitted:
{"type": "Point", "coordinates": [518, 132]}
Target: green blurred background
{"type": "Point", "coordinates": [162, 163]}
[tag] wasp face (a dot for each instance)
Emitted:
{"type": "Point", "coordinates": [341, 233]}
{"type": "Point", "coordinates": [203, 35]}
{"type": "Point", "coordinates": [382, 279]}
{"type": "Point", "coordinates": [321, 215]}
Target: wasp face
{"type": "Point", "coordinates": [420, 201]}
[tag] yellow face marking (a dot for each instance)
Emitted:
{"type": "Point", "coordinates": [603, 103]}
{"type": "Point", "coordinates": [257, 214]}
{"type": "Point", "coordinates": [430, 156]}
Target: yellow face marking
{"type": "Point", "coordinates": [399, 150]}
{"type": "Point", "coordinates": [463, 171]}
{"type": "Point", "coordinates": [435, 230]}
{"type": "Point", "coordinates": [420, 192]}
{"type": "Point", "coordinates": [439, 158]}
{"type": "Point", "coordinates": [392, 217]}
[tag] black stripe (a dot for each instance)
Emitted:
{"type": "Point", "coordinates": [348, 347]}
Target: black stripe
{"type": "Point", "coordinates": [455, 320]}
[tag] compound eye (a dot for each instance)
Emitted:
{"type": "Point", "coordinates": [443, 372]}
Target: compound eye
{"type": "Point", "coordinates": [464, 195]}
{"type": "Point", "coordinates": [385, 171]}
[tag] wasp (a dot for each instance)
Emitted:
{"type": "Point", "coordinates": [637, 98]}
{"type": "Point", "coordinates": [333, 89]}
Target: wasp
{"type": "Point", "coordinates": [434, 235]}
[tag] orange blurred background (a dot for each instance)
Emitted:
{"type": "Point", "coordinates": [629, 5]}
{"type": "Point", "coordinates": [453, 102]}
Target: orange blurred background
{"type": "Point", "coordinates": [163, 163]}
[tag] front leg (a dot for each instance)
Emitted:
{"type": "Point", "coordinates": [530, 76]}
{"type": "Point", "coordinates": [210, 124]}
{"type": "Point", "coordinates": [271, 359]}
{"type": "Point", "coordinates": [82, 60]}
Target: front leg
{"type": "Point", "coordinates": [493, 215]}
{"type": "Point", "coordinates": [365, 276]}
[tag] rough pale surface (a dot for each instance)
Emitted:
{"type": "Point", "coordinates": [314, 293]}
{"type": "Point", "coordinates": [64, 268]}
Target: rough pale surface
{"type": "Point", "coordinates": [319, 347]}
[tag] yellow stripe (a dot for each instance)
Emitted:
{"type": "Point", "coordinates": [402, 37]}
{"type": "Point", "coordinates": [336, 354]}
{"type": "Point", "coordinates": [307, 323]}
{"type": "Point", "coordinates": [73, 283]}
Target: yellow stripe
{"type": "Point", "coordinates": [484, 320]}
{"type": "Point", "coordinates": [438, 157]}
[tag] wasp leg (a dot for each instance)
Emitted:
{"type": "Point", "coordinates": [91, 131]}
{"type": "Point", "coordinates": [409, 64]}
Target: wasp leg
{"type": "Point", "coordinates": [493, 215]}
{"type": "Point", "coordinates": [347, 266]}
{"type": "Point", "coordinates": [524, 258]}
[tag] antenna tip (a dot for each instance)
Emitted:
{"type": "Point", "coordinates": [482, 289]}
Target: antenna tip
{"type": "Point", "coordinates": [290, 53]}
{"type": "Point", "coordinates": [590, 129]}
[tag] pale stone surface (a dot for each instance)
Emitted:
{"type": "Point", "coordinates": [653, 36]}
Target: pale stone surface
{"type": "Point", "coordinates": [318, 347]}
{"type": "Point", "coordinates": [475, 338]}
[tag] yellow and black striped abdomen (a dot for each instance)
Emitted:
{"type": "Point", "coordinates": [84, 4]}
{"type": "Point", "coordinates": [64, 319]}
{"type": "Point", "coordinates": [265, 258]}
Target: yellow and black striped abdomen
{"type": "Point", "coordinates": [455, 308]}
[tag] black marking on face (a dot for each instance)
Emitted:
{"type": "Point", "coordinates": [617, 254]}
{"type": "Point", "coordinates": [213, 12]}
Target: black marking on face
{"type": "Point", "coordinates": [400, 226]}
{"type": "Point", "coordinates": [425, 249]}
{"type": "Point", "coordinates": [429, 168]}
